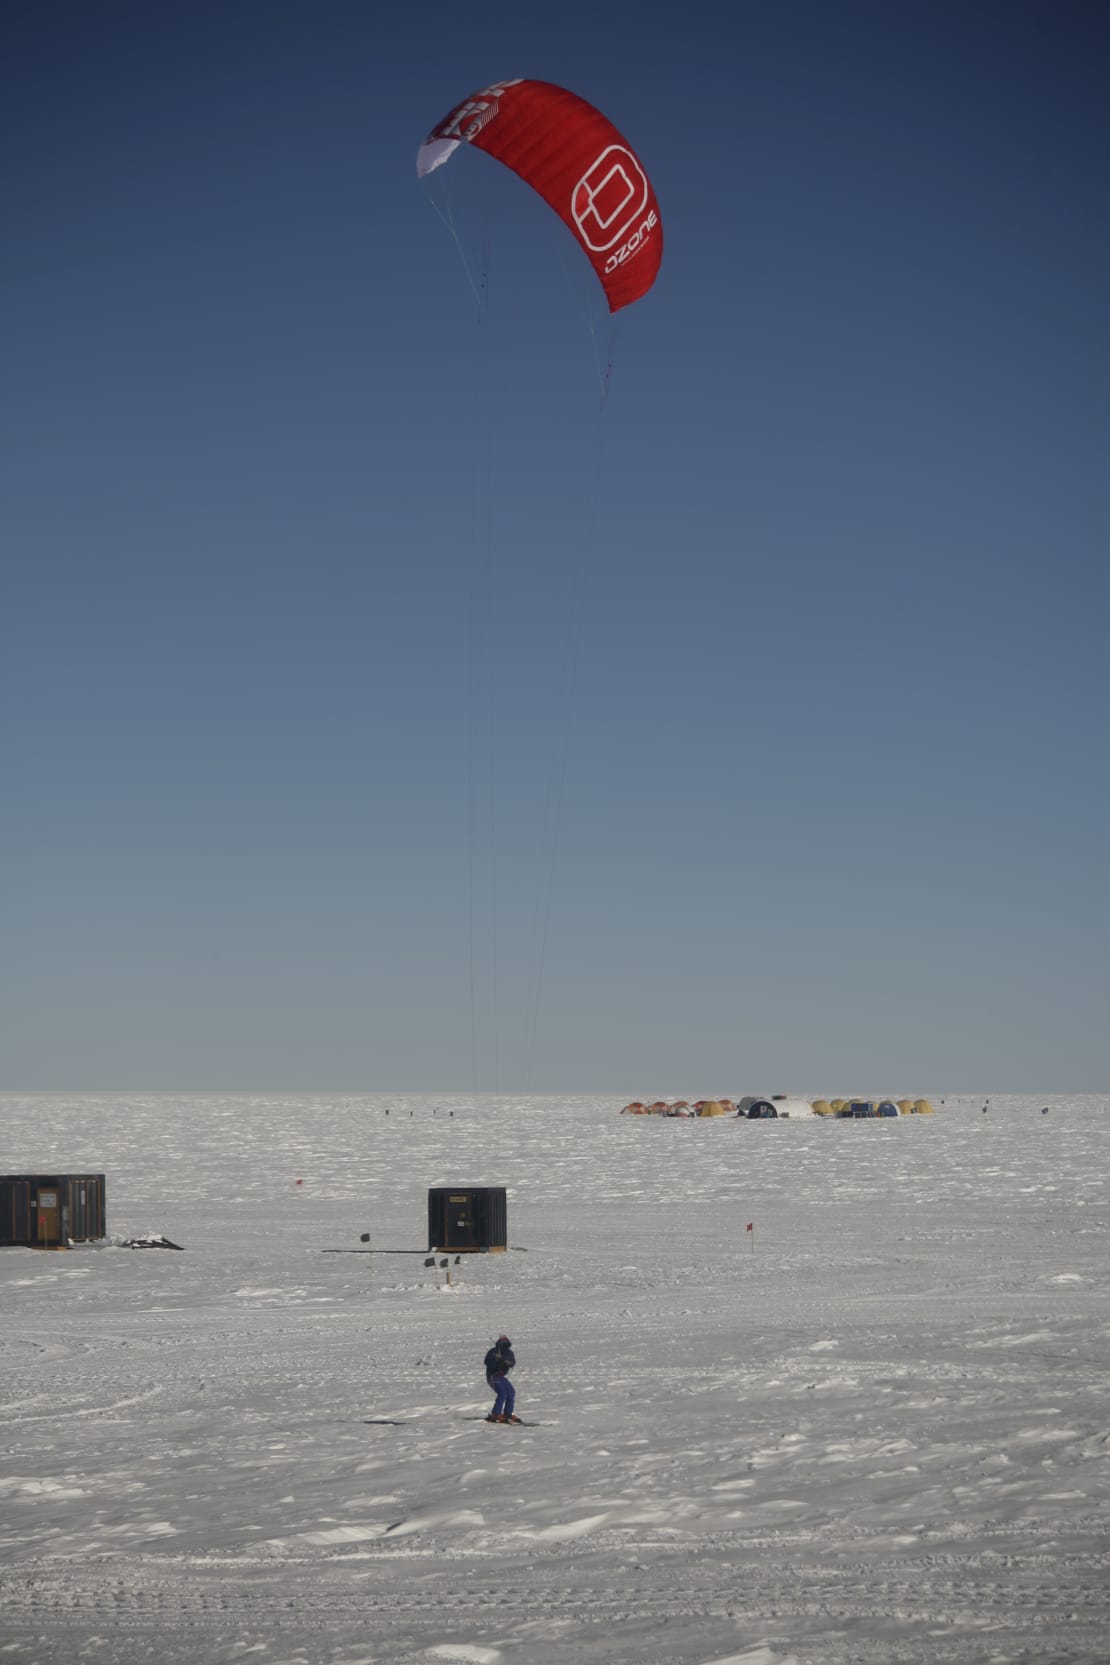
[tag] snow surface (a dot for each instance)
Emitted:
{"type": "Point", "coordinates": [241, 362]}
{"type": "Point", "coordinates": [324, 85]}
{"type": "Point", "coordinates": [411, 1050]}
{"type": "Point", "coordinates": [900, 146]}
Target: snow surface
{"type": "Point", "coordinates": [873, 1429]}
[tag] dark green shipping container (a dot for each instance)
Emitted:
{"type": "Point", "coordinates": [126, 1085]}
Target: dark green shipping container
{"type": "Point", "coordinates": [50, 1211]}
{"type": "Point", "coordinates": [468, 1219]}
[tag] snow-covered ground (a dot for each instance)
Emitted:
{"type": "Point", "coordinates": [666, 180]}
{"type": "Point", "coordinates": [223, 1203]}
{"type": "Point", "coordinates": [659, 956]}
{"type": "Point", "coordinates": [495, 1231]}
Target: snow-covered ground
{"type": "Point", "coordinates": [874, 1429]}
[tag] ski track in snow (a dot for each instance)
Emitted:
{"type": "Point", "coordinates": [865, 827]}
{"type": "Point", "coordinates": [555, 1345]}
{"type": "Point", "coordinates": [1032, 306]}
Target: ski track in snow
{"type": "Point", "coordinates": [874, 1430]}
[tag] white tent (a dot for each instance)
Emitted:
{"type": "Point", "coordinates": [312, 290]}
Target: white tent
{"type": "Point", "coordinates": [788, 1109]}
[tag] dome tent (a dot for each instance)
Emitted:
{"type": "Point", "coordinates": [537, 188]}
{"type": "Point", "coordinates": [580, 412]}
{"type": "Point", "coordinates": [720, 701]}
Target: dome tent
{"type": "Point", "coordinates": [778, 1107]}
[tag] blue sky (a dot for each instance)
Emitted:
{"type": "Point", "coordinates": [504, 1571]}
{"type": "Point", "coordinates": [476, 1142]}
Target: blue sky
{"type": "Point", "coordinates": [378, 710]}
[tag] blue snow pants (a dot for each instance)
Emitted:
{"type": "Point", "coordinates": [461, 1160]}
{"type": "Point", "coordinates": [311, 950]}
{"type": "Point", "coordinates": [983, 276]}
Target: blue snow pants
{"type": "Point", "coordinates": [506, 1395]}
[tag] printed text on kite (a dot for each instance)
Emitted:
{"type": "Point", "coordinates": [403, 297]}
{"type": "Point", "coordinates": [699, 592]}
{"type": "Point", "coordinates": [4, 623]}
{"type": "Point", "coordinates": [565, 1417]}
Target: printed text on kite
{"type": "Point", "coordinates": [582, 167]}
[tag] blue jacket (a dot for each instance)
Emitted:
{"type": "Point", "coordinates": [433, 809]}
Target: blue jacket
{"type": "Point", "coordinates": [499, 1360]}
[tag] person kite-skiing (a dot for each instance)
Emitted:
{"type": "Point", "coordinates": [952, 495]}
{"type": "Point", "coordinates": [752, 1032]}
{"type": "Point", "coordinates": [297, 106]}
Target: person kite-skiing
{"type": "Point", "coordinates": [498, 1362]}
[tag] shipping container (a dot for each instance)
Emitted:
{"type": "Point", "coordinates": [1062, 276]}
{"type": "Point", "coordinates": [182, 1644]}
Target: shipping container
{"type": "Point", "coordinates": [468, 1219]}
{"type": "Point", "coordinates": [50, 1211]}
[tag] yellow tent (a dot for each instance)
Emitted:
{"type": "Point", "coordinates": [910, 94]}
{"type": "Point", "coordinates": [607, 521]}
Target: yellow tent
{"type": "Point", "coordinates": [822, 1107]}
{"type": "Point", "coordinates": [713, 1107]}
{"type": "Point", "coordinates": [905, 1105]}
{"type": "Point", "coordinates": [922, 1107]}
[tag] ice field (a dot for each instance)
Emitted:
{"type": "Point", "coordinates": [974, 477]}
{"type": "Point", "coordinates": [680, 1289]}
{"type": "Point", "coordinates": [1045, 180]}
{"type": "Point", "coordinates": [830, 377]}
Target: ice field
{"type": "Point", "coordinates": [874, 1429]}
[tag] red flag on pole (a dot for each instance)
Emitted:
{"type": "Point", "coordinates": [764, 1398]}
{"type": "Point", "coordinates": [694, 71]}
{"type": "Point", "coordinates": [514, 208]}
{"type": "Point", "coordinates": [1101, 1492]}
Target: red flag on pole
{"type": "Point", "coordinates": [748, 1227]}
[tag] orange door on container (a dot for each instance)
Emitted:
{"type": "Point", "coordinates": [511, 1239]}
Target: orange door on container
{"type": "Point", "coordinates": [49, 1225]}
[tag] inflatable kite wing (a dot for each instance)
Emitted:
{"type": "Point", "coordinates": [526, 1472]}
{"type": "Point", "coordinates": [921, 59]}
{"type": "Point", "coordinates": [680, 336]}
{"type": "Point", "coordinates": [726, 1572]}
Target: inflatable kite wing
{"type": "Point", "coordinates": [575, 158]}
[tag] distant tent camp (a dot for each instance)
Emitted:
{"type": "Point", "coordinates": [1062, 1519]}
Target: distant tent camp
{"type": "Point", "coordinates": [780, 1106]}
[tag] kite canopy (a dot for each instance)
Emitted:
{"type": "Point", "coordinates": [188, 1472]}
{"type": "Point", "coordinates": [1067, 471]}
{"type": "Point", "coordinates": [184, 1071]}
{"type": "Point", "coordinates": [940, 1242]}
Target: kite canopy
{"type": "Point", "coordinates": [575, 158]}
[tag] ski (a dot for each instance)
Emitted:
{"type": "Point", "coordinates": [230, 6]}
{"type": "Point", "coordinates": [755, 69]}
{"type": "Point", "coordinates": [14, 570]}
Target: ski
{"type": "Point", "coordinates": [521, 1422]}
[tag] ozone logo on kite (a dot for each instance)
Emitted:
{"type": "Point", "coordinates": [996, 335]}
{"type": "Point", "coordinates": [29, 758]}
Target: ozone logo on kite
{"type": "Point", "coordinates": [633, 243]}
{"type": "Point", "coordinates": [580, 164]}
{"type": "Point", "coordinates": [610, 195]}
